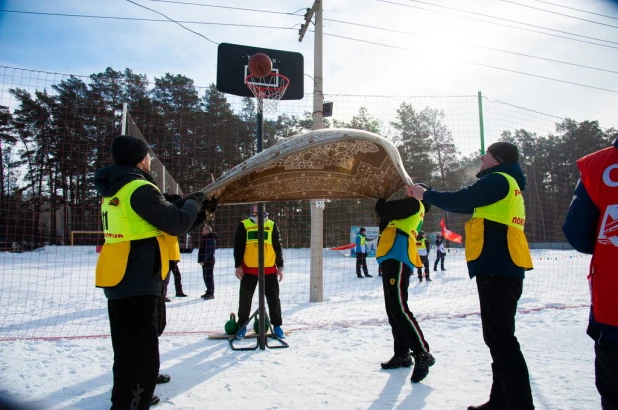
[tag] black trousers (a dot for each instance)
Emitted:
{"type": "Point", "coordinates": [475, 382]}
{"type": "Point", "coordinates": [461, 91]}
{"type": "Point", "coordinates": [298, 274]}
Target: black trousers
{"type": "Point", "coordinates": [208, 273]}
{"type": "Point", "coordinates": [177, 278]}
{"type": "Point", "coordinates": [425, 260]}
{"type": "Point", "coordinates": [606, 373]}
{"type": "Point", "coordinates": [271, 292]}
{"type": "Point", "coordinates": [361, 261]}
{"type": "Point", "coordinates": [407, 333]}
{"type": "Point", "coordinates": [498, 296]}
{"type": "Point", "coordinates": [134, 328]}
{"type": "Point", "coordinates": [439, 258]}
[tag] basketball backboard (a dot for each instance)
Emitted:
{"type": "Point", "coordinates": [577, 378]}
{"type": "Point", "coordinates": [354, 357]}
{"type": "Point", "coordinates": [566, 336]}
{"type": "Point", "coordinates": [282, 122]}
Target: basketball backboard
{"type": "Point", "coordinates": [232, 69]}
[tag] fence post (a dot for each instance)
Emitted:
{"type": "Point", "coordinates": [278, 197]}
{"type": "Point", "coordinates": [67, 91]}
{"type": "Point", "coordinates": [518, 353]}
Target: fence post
{"type": "Point", "coordinates": [482, 126]}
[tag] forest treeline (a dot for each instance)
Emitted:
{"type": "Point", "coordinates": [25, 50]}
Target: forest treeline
{"type": "Point", "coordinates": [53, 141]}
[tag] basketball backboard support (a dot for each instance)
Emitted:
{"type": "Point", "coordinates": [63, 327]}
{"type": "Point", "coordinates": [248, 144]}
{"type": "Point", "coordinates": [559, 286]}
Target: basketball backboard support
{"type": "Point", "coordinates": [232, 70]}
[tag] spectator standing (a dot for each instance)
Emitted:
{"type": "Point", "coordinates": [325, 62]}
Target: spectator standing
{"type": "Point", "coordinates": [361, 253]}
{"type": "Point", "coordinates": [423, 247]}
{"type": "Point", "coordinates": [440, 253]}
{"type": "Point", "coordinates": [206, 258]}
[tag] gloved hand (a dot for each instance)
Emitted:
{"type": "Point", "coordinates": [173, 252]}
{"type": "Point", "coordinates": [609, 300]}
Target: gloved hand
{"type": "Point", "coordinates": [197, 196]}
{"type": "Point", "coordinates": [210, 205]}
{"type": "Point", "coordinates": [172, 197]}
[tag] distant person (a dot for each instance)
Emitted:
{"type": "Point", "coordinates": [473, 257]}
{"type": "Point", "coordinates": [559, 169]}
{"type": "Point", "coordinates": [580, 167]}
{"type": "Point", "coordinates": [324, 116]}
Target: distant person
{"type": "Point", "coordinates": [497, 255]}
{"type": "Point", "coordinates": [246, 262]}
{"type": "Point", "coordinates": [423, 247]}
{"type": "Point", "coordinates": [440, 252]}
{"type": "Point", "coordinates": [587, 228]}
{"type": "Point", "coordinates": [397, 256]}
{"type": "Point", "coordinates": [136, 219]}
{"type": "Point", "coordinates": [361, 253]}
{"type": "Point", "coordinates": [206, 258]}
{"type": "Point", "coordinates": [174, 270]}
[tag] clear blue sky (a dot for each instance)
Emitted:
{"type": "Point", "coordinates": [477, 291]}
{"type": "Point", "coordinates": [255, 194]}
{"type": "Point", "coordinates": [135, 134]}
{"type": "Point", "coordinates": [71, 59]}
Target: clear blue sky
{"type": "Point", "coordinates": [441, 39]}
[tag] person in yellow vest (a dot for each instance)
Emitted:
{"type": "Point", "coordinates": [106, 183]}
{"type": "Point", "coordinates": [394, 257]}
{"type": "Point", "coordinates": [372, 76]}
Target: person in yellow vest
{"type": "Point", "coordinates": [137, 223]}
{"type": "Point", "coordinates": [174, 271]}
{"type": "Point", "coordinates": [497, 255]}
{"type": "Point", "coordinates": [423, 247]}
{"type": "Point", "coordinates": [399, 223]}
{"type": "Point", "coordinates": [246, 262]}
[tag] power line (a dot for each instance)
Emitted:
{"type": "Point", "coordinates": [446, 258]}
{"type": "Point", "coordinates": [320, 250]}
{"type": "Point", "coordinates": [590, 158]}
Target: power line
{"type": "Point", "coordinates": [497, 18]}
{"type": "Point", "coordinates": [186, 28]}
{"type": "Point", "coordinates": [332, 35]}
{"type": "Point", "coordinates": [228, 7]}
{"type": "Point", "coordinates": [477, 46]}
{"type": "Point", "coordinates": [580, 10]}
{"type": "Point", "coordinates": [478, 64]}
{"type": "Point", "coordinates": [145, 19]}
{"type": "Point", "coordinates": [559, 14]}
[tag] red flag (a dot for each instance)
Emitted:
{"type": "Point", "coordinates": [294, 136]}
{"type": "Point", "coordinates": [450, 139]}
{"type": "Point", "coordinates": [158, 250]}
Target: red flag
{"type": "Point", "coordinates": [450, 235]}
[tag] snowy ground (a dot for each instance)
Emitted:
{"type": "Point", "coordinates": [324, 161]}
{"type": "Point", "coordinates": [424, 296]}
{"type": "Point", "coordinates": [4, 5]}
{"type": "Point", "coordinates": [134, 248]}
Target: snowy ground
{"type": "Point", "coordinates": [335, 349]}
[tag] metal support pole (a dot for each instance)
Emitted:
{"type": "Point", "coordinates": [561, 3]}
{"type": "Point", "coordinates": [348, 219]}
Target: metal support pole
{"type": "Point", "coordinates": [125, 108]}
{"type": "Point", "coordinates": [317, 208]}
{"type": "Point", "coordinates": [261, 279]}
{"type": "Point", "coordinates": [482, 126]}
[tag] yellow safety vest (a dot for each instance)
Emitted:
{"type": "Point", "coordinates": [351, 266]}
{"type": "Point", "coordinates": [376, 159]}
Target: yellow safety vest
{"type": "Point", "coordinates": [121, 225]}
{"type": "Point", "coordinates": [363, 240]}
{"type": "Point", "coordinates": [251, 249]}
{"type": "Point", "coordinates": [408, 226]}
{"type": "Point", "coordinates": [422, 244]}
{"type": "Point", "coordinates": [509, 211]}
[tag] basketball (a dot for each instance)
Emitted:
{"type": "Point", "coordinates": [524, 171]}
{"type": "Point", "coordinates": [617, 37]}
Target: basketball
{"type": "Point", "coordinates": [260, 65]}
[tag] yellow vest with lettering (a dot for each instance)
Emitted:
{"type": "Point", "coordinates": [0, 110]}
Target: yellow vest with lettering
{"type": "Point", "coordinates": [251, 248]}
{"type": "Point", "coordinates": [121, 225]}
{"type": "Point", "coordinates": [509, 211]}
{"type": "Point", "coordinates": [422, 244]}
{"type": "Point", "coordinates": [408, 226]}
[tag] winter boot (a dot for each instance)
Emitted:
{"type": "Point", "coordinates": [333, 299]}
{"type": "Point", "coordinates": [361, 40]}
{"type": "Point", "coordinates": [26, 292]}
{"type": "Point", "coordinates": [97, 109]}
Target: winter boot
{"type": "Point", "coordinates": [279, 332]}
{"type": "Point", "coordinates": [397, 361]}
{"type": "Point", "coordinates": [422, 361]}
{"type": "Point", "coordinates": [163, 378]}
{"type": "Point", "coordinates": [155, 400]}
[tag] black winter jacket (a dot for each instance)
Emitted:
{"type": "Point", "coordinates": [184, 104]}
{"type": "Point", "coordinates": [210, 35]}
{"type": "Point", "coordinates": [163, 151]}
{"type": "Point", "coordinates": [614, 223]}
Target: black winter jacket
{"type": "Point", "coordinates": [143, 273]}
{"type": "Point", "coordinates": [490, 188]}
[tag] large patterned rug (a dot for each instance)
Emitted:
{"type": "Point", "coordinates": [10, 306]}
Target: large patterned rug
{"type": "Point", "coordinates": [333, 163]}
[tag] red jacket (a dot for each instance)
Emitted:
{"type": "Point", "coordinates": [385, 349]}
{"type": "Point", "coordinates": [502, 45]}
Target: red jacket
{"type": "Point", "coordinates": [599, 175]}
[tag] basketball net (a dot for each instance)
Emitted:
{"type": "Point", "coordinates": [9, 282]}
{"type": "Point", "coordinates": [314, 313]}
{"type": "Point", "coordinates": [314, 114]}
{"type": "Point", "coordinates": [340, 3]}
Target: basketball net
{"type": "Point", "coordinates": [267, 91]}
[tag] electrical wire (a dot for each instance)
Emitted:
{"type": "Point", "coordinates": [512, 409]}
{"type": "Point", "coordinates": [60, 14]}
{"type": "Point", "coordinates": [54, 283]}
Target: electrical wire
{"type": "Point", "coordinates": [331, 35]}
{"type": "Point", "coordinates": [497, 18]}
{"type": "Point", "coordinates": [227, 7]}
{"type": "Point", "coordinates": [146, 19]}
{"type": "Point", "coordinates": [474, 63]}
{"type": "Point", "coordinates": [580, 10]}
{"type": "Point", "coordinates": [475, 45]}
{"type": "Point", "coordinates": [559, 14]}
{"type": "Point", "coordinates": [186, 28]}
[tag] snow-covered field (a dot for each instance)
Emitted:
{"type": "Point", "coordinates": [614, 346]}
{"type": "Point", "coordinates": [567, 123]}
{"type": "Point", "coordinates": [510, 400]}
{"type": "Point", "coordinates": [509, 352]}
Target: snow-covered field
{"type": "Point", "coordinates": [335, 346]}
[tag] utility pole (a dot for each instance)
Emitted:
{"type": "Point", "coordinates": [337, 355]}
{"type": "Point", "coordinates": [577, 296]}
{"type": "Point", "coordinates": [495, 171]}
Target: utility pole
{"type": "Point", "coordinates": [316, 283]}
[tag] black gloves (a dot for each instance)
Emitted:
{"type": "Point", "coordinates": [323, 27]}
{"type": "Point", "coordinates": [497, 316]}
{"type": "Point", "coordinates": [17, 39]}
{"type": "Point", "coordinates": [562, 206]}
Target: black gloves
{"type": "Point", "coordinates": [172, 197]}
{"type": "Point", "coordinates": [197, 196]}
{"type": "Point", "coordinates": [210, 205]}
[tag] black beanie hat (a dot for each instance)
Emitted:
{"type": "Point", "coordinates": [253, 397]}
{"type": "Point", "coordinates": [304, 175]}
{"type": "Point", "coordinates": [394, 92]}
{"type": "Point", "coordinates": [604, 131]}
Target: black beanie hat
{"type": "Point", "coordinates": [128, 150]}
{"type": "Point", "coordinates": [504, 152]}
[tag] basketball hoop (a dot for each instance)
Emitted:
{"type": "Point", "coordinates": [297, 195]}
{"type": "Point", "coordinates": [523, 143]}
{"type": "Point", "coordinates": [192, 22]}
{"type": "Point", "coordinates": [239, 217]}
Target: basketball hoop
{"type": "Point", "coordinates": [268, 91]}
